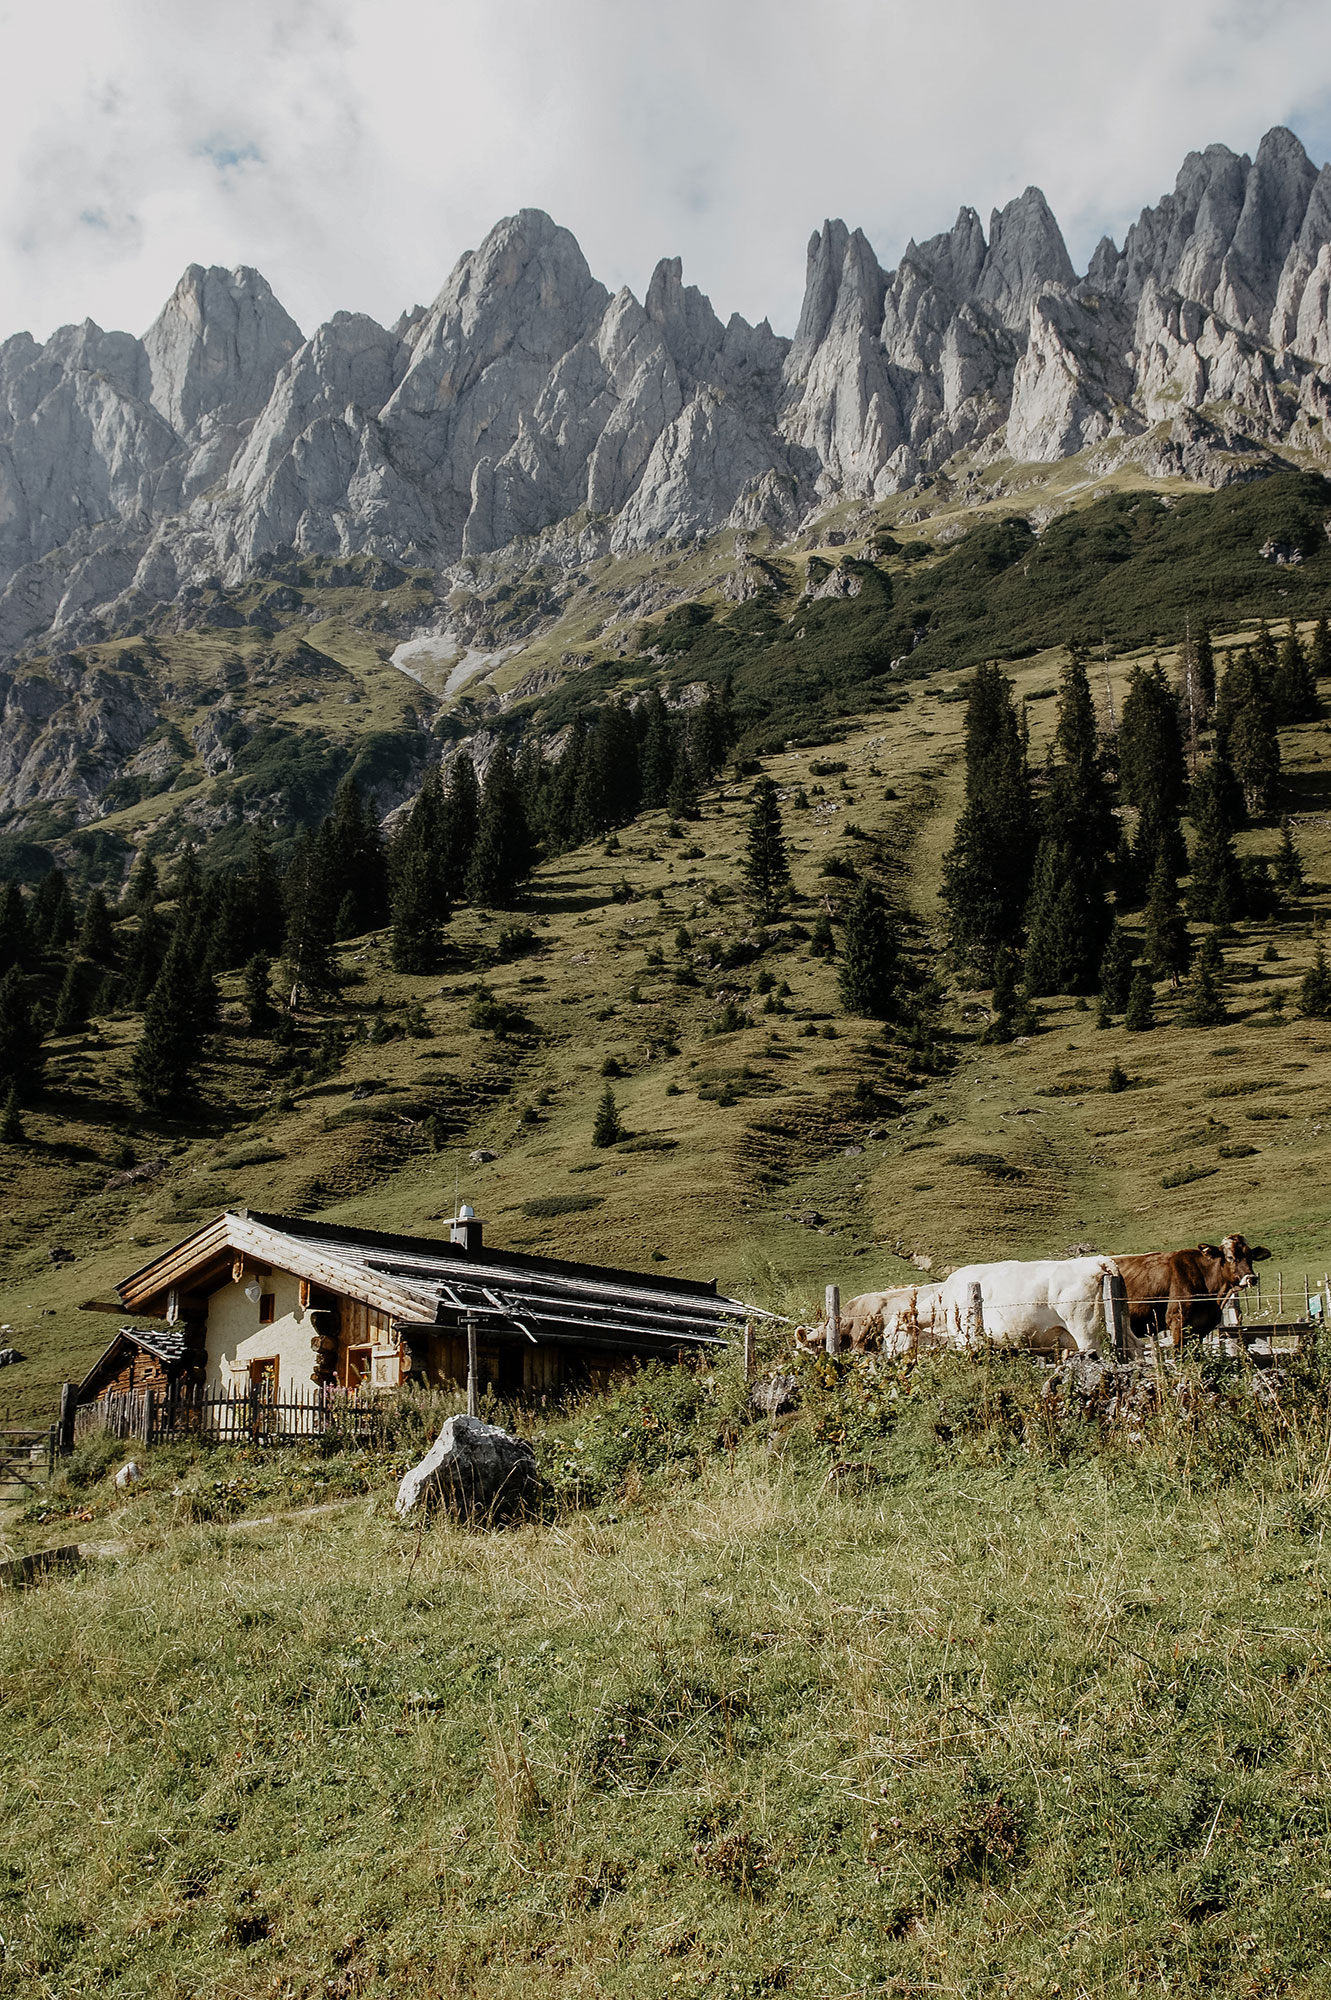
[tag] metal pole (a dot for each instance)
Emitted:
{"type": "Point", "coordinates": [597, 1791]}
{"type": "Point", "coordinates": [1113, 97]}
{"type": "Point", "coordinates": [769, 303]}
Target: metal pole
{"type": "Point", "coordinates": [472, 1386]}
{"type": "Point", "coordinates": [832, 1300]}
{"type": "Point", "coordinates": [750, 1351]}
{"type": "Point", "coordinates": [1280, 1294]}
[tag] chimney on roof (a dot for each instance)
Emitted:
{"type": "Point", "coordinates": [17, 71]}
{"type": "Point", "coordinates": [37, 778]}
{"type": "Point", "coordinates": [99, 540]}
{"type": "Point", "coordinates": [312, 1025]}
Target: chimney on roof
{"type": "Point", "coordinates": [466, 1228]}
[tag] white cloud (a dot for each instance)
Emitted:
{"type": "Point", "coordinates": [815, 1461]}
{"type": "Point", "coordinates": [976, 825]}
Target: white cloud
{"type": "Point", "coordinates": [351, 149]}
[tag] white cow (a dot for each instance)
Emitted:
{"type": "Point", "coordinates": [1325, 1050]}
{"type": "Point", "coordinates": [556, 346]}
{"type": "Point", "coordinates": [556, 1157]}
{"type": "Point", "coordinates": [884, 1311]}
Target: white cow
{"type": "Point", "coordinates": [897, 1321]}
{"type": "Point", "coordinates": [1041, 1305]}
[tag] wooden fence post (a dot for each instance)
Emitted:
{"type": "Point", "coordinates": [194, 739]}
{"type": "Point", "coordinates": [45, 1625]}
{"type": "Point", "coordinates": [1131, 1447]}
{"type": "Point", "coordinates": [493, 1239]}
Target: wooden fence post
{"type": "Point", "coordinates": [1114, 1298]}
{"type": "Point", "coordinates": [832, 1299]}
{"type": "Point", "coordinates": [68, 1405]}
{"type": "Point", "coordinates": [750, 1351]}
{"type": "Point", "coordinates": [473, 1398]}
{"type": "Point", "coordinates": [975, 1315]}
{"type": "Point", "coordinates": [147, 1417]}
{"type": "Point", "coordinates": [1280, 1294]}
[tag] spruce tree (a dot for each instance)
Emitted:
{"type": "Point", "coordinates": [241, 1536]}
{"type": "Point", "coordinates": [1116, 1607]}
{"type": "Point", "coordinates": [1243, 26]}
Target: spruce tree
{"type": "Point", "coordinates": [145, 954]}
{"type": "Point", "coordinates": [1068, 915]}
{"type": "Point", "coordinates": [415, 944]}
{"type": "Point", "coordinates": [52, 921]}
{"type": "Point", "coordinates": [1140, 1013]}
{"type": "Point", "coordinates": [607, 1129]}
{"type": "Point", "coordinates": [682, 797]}
{"type": "Point", "coordinates": [1254, 749]}
{"type": "Point", "coordinates": [1116, 969]}
{"type": "Point", "coordinates": [1288, 866]}
{"type": "Point", "coordinates": [502, 854]}
{"type": "Point", "coordinates": [987, 870]}
{"type": "Point", "coordinates": [462, 804]}
{"type": "Point", "coordinates": [1319, 653]}
{"type": "Point", "coordinates": [869, 973]}
{"type": "Point", "coordinates": [1165, 944]}
{"type": "Point", "coordinates": [15, 938]}
{"type": "Point", "coordinates": [1203, 998]}
{"type": "Point", "coordinates": [766, 866]}
{"type": "Point", "coordinates": [71, 1007]}
{"type": "Point", "coordinates": [311, 898]}
{"type": "Point", "coordinates": [1151, 769]}
{"type": "Point", "coordinates": [1215, 894]}
{"type": "Point", "coordinates": [354, 856]}
{"type": "Point", "coordinates": [259, 1008]}
{"type": "Point", "coordinates": [187, 883]}
{"type": "Point", "coordinates": [1315, 989]}
{"type": "Point", "coordinates": [20, 1036]}
{"type": "Point", "coordinates": [1003, 1004]}
{"type": "Point", "coordinates": [96, 938]}
{"type": "Point", "coordinates": [1294, 683]}
{"type": "Point", "coordinates": [658, 753]}
{"type": "Point", "coordinates": [144, 891]}
{"type": "Point", "coordinates": [169, 1052]}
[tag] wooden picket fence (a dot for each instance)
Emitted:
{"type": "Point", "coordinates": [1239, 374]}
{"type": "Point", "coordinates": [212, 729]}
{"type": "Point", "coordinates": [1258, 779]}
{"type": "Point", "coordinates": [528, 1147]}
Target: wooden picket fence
{"type": "Point", "coordinates": [236, 1416]}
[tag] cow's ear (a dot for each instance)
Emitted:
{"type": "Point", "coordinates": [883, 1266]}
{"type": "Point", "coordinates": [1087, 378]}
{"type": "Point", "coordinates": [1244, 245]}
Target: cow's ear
{"type": "Point", "coordinates": [1259, 1256]}
{"type": "Point", "coordinates": [1210, 1250]}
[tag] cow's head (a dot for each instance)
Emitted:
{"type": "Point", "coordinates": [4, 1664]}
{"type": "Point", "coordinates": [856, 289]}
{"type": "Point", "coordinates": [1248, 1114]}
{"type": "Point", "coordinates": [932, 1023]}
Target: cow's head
{"type": "Point", "coordinates": [1236, 1258]}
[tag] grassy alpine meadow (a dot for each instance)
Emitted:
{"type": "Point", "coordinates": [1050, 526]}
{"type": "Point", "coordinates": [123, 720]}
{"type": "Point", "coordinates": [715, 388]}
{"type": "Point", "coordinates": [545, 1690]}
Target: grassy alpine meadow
{"type": "Point", "coordinates": [927, 1687]}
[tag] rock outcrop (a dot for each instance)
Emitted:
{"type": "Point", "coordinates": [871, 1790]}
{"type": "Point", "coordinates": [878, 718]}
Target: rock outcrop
{"type": "Point", "coordinates": [527, 401]}
{"type": "Point", "coordinates": [472, 1469]}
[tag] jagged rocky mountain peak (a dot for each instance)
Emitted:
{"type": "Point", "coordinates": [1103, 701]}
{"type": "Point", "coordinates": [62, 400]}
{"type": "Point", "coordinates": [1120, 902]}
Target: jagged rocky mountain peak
{"type": "Point", "coordinates": [216, 345]}
{"type": "Point", "coordinates": [526, 400]}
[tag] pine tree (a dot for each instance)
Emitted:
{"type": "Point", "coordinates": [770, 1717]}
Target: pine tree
{"type": "Point", "coordinates": [682, 797]}
{"type": "Point", "coordinates": [766, 866]}
{"type": "Point", "coordinates": [1254, 748]}
{"type": "Point", "coordinates": [1151, 770]}
{"type": "Point", "coordinates": [52, 921]}
{"type": "Point", "coordinates": [1315, 989]}
{"type": "Point", "coordinates": [20, 1036]}
{"type": "Point", "coordinates": [311, 901]}
{"type": "Point", "coordinates": [1215, 895]}
{"type": "Point", "coordinates": [1004, 1004]}
{"type": "Point", "coordinates": [259, 1008]}
{"type": "Point", "coordinates": [416, 943]}
{"type": "Point", "coordinates": [1319, 653]}
{"type": "Point", "coordinates": [1196, 686]}
{"type": "Point", "coordinates": [1289, 866]}
{"type": "Point", "coordinates": [1141, 1004]}
{"type": "Point", "coordinates": [71, 1007]}
{"type": "Point", "coordinates": [502, 854]}
{"type": "Point", "coordinates": [658, 753]}
{"type": "Point", "coordinates": [561, 798]}
{"type": "Point", "coordinates": [187, 883]}
{"type": "Point", "coordinates": [1203, 997]}
{"type": "Point", "coordinates": [1165, 945]}
{"type": "Point", "coordinates": [869, 974]}
{"type": "Point", "coordinates": [354, 856]}
{"type": "Point", "coordinates": [96, 939]}
{"type": "Point", "coordinates": [1294, 683]}
{"type": "Point", "coordinates": [15, 937]}
{"type": "Point", "coordinates": [1116, 969]}
{"type": "Point", "coordinates": [607, 1129]}
{"type": "Point", "coordinates": [169, 1052]}
{"type": "Point", "coordinates": [987, 870]}
{"type": "Point", "coordinates": [1068, 915]}
{"type": "Point", "coordinates": [146, 954]}
{"type": "Point", "coordinates": [11, 1121]}
{"type": "Point", "coordinates": [144, 891]}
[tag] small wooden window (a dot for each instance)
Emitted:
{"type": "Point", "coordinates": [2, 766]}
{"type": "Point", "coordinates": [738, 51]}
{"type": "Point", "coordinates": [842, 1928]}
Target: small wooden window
{"type": "Point", "coordinates": [267, 1308]}
{"type": "Point", "coordinates": [263, 1375]}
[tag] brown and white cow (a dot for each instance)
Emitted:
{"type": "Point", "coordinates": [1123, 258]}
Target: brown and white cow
{"type": "Point", "coordinates": [897, 1321]}
{"type": "Point", "coordinates": [1172, 1287]}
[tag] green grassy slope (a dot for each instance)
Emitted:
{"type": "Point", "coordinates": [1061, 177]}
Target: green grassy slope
{"type": "Point", "coordinates": [994, 1721]}
{"type": "Point", "coordinates": [739, 1138]}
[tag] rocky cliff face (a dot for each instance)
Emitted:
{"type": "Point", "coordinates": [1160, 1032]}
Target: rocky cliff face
{"type": "Point", "coordinates": [526, 396]}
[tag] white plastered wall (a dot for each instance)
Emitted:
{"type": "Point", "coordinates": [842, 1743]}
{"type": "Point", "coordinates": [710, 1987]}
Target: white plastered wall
{"type": "Point", "coordinates": [235, 1337]}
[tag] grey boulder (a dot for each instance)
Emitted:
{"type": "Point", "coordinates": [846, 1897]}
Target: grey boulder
{"type": "Point", "coordinates": [472, 1469]}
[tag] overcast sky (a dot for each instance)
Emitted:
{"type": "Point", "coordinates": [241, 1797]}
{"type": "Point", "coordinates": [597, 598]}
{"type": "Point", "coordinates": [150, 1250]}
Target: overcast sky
{"type": "Point", "coordinates": [352, 149]}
